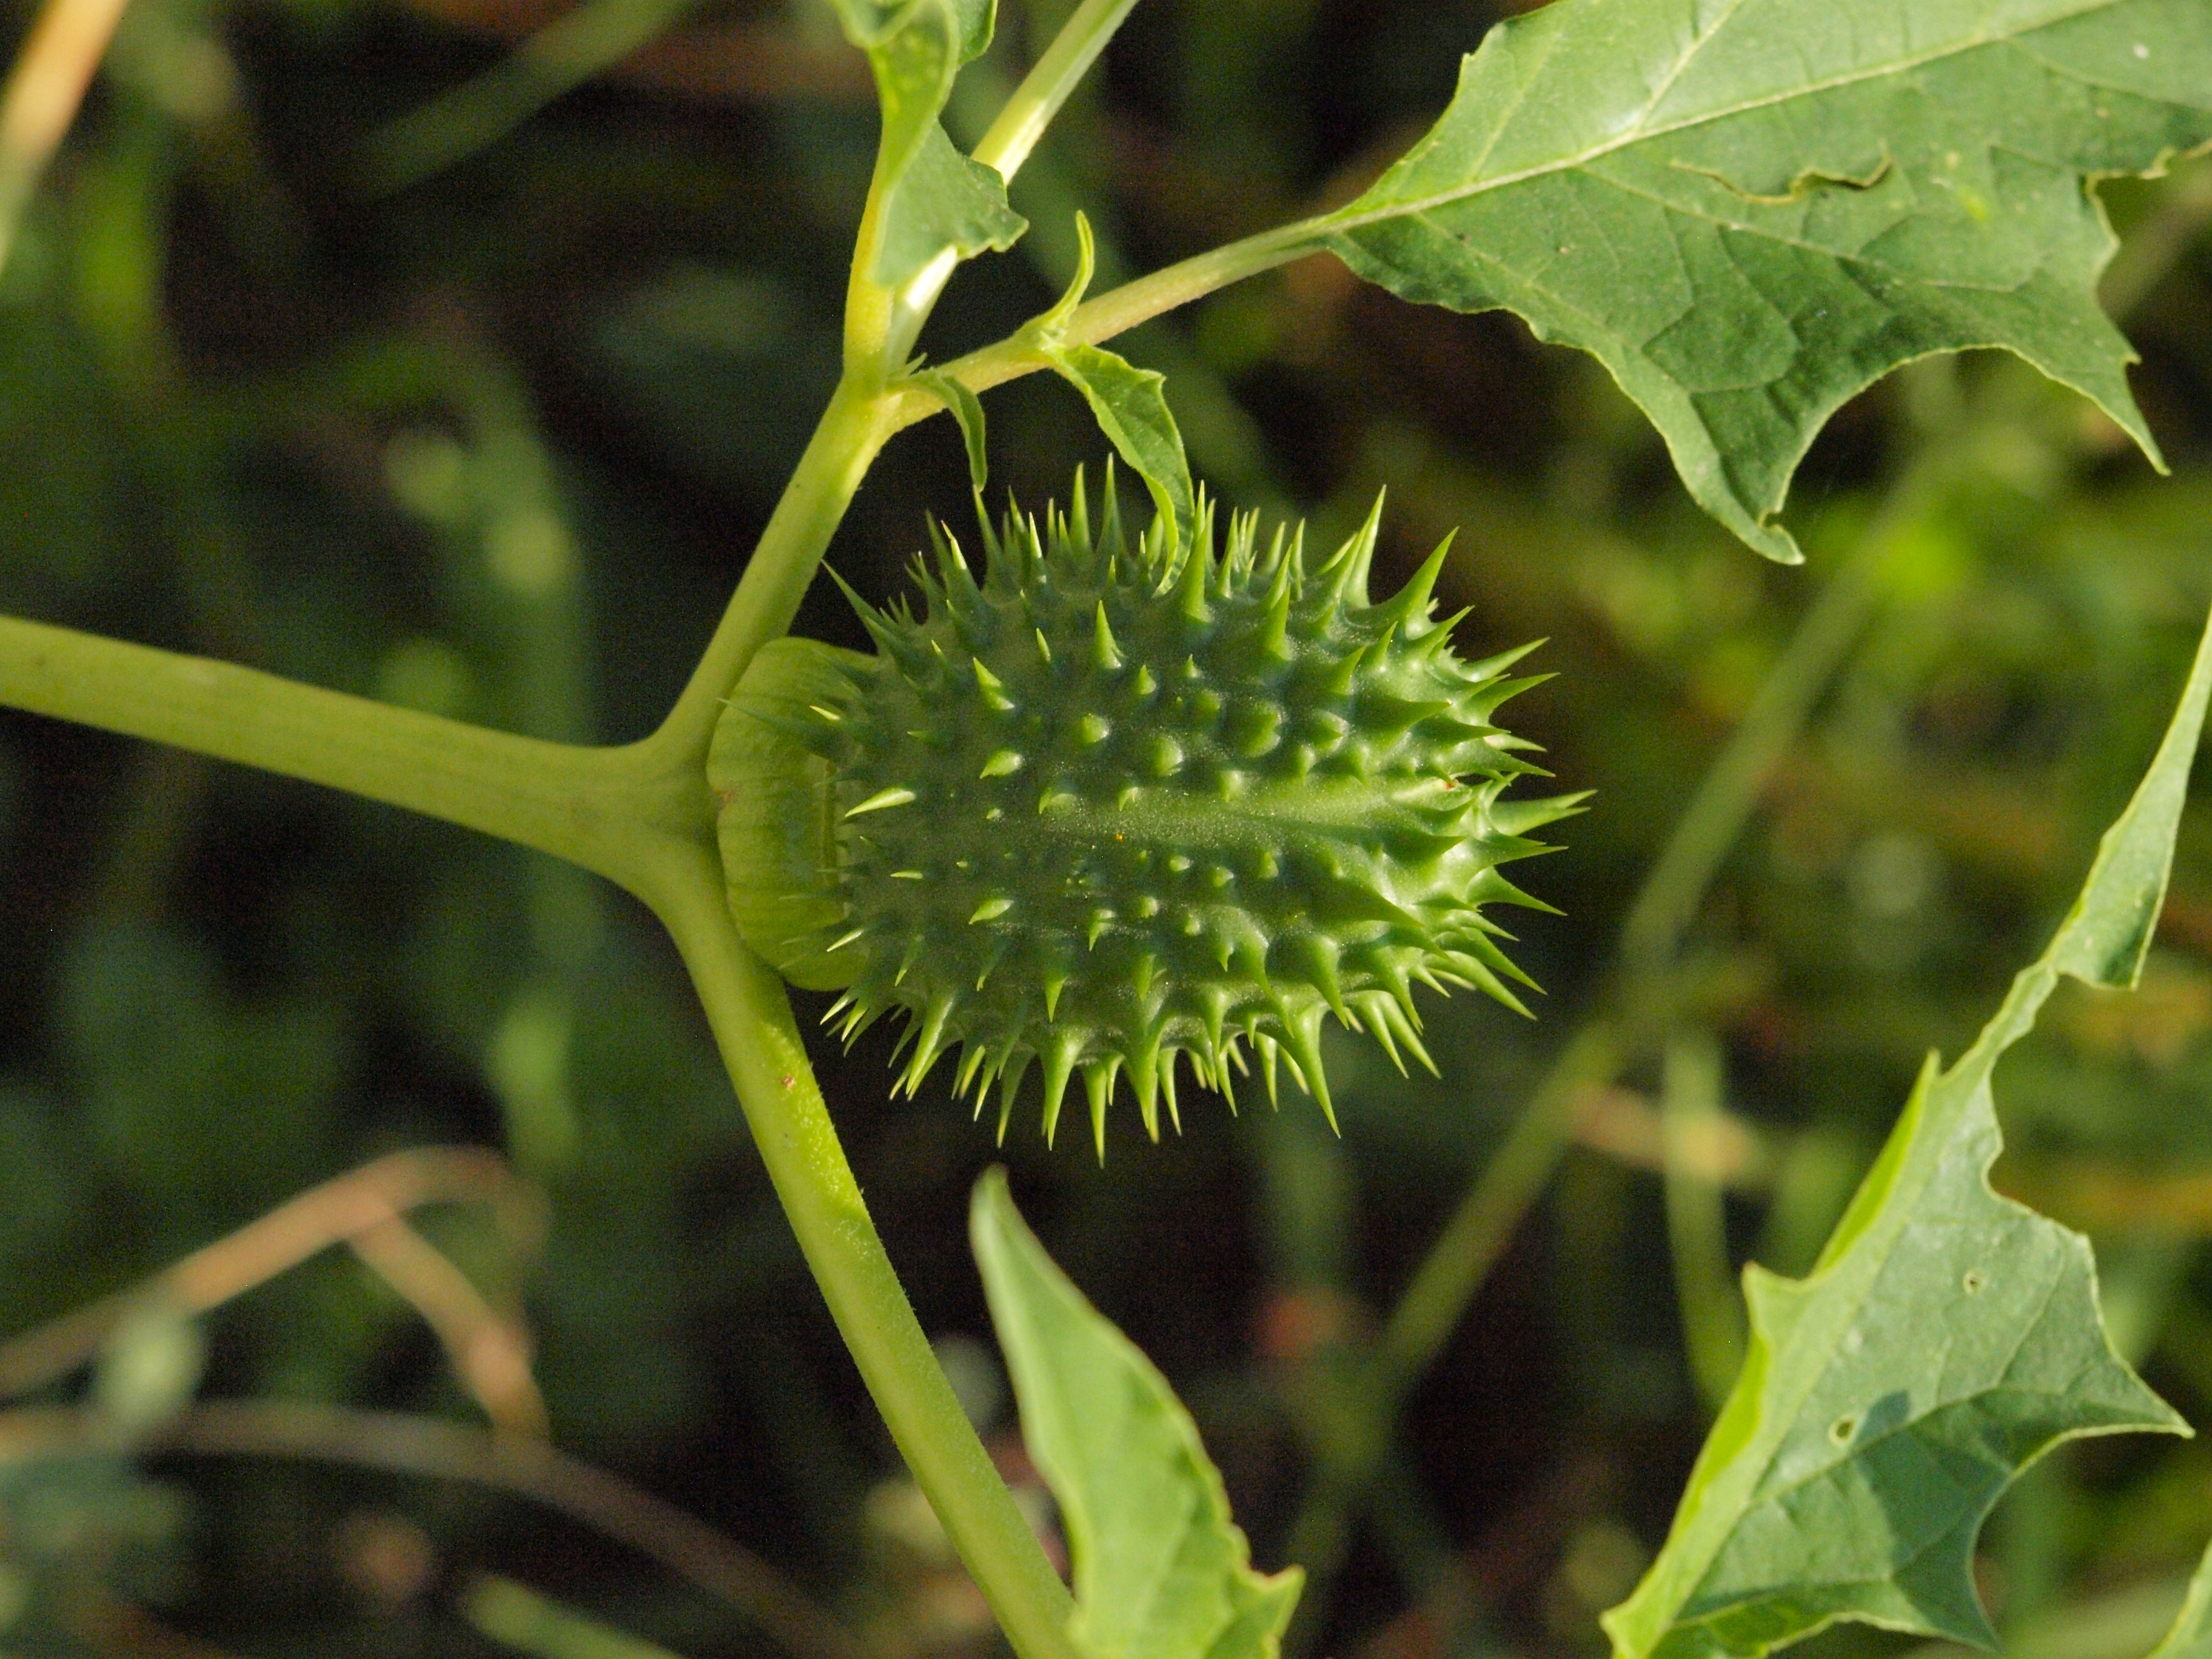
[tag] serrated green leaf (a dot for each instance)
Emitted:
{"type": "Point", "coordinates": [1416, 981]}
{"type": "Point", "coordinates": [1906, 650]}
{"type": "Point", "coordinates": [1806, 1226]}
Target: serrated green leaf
{"type": "Point", "coordinates": [1750, 211]}
{"type": "Point", "coordinates": [870, 23]}
{"type": "Point", "coordinates": [1945, 1339]}
{"type": "Point", "coordinates": [1131, 404]}
{"type": "Point", "coordinates": [2191, 1637]}
{"type": "Point", "coordinates": [933, 197]}
{"type": "Point", "coordinates": [942, 199]}
{"type": "Point", "coordinates": [1161, 1572]}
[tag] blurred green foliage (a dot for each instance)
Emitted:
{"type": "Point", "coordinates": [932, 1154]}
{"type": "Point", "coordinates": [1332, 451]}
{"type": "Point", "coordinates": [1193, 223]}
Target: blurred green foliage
{"type": "Point", "coordinates": [495, 443]}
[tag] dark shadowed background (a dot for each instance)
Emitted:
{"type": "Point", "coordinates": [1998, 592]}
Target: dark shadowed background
{"type": "Point", "coordinates": [479, 409]}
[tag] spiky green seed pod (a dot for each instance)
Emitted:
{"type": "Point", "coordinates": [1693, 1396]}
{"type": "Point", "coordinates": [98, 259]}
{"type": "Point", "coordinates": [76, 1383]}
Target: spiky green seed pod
{"type": "Point", "coordinates": [1118, 805]}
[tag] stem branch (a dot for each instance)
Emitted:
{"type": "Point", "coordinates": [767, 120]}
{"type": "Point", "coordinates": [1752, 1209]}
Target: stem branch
{"type": "Point", "coordinates": [1121, 309]}
{"type": "Point", "coordinates": [1006, 144]}
{"type": "Point", "coordinates": [853, 429]}
{"type": "Point", "coordinates": [610, 810]}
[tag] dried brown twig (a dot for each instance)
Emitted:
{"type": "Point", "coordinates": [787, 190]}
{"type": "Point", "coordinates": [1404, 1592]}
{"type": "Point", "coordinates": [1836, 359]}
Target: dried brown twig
{"type": "Point", "coordinates": [489, 1350]}
{"type": "Point", "coordinates": [345, 1211]}
{"type": "Point", "coordinates": [366, 1210]}
{"type": "Point", "coordinates": [51, 72]}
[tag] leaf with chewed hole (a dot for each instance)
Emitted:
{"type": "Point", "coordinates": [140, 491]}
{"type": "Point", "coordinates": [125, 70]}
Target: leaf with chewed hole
{"type": "Point", "coordinates": [1945, 1339]}
{"type": "Point", "coordinates": [1750, 211]}
{"type": "Point", "coordinates": [933, 197]}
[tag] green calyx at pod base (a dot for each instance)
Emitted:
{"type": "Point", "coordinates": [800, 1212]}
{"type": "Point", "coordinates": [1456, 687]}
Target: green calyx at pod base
{"type": "Point", "coordinates": [1127, 801]}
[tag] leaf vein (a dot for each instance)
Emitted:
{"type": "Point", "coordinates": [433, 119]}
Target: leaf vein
{"type": "Point", "coordinates": [1682, 62]}
{"type": "Point", "coordinates": [1506, 117]}
{"type": "Point", "coordinates": [1350, 220]}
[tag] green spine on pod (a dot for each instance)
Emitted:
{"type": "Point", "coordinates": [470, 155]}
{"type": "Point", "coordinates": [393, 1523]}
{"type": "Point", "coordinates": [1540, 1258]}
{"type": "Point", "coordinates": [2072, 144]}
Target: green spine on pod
{"type": "Point", "coordinates": [1118, 805]}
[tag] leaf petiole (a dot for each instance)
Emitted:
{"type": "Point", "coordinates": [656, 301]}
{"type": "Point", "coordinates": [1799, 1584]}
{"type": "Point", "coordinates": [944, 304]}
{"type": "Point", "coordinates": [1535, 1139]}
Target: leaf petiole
{"type": "Point", "coordinates": [1117, 311]}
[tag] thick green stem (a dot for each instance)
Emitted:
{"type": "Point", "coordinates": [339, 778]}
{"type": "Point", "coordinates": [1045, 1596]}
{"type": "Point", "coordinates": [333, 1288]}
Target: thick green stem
{"type": "Point", "coordinates": [752, 1018]}
{"type": "Point", "coordinates": [610, 810]}
{"type": "Point", "coordinates": [643, 817]}
{"type": "Point", "coordinates": [852, 431]}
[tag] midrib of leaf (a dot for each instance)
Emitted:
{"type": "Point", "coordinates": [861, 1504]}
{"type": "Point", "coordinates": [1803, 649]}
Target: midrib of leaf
{"type": "Point", "coordinates": [1640, 134]}
{"type": "Point", "coordinates": [1149, 1604]}
{"type": "Point", "coordinates": [1186, 1525]}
